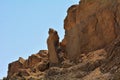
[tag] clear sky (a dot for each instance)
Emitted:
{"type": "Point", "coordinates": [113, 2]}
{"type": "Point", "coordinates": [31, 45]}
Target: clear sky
{"type": "Point", "coordinates": [24, 26]}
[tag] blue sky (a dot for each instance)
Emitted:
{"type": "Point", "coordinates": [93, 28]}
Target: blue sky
{"type": "Point", "coordinates": [24, 26]}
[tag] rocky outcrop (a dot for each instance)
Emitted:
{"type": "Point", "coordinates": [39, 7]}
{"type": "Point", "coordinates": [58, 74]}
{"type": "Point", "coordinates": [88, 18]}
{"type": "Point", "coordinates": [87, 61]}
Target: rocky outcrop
{"type": "Point", "coordinates": [90, 49]}
{"type": "Point", "coordinates": [53, 44]}
{"type": "Point", "coordinates": [15, 66]}
{"type": "Point", "coordinates": [32, 67]}
{"type": "Point", "coordinates": [85, 70]}
{"type": "Point", "coordinates": [32, 60]}
{"type": "Point", "coordinates": [91, 25]}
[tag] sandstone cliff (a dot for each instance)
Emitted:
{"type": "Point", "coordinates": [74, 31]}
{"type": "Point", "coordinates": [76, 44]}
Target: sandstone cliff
{"type": "Point", "coordinates": [91, 25]}
{"type": "Point", "coordinates": [90, 49]}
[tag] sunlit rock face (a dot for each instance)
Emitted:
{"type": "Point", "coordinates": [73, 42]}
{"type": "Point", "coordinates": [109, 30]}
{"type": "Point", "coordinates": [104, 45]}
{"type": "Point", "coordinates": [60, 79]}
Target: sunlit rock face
{"type": "Point", "coordinates": [91, 25]}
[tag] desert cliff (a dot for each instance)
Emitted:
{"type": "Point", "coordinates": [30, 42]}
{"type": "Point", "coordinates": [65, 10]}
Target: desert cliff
{"type": "Point", "coordinates": [90, 49]}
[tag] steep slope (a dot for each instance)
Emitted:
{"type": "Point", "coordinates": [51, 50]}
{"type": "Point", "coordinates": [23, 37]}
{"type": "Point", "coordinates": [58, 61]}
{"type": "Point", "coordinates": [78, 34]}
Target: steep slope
{"type": "Point", "coordinates": [90, 49]}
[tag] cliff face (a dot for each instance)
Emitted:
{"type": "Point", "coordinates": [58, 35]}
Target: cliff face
{"type": "Point", "coordinates": [90, 49]}
{"type": "Point", "coordinates": [91, 25]}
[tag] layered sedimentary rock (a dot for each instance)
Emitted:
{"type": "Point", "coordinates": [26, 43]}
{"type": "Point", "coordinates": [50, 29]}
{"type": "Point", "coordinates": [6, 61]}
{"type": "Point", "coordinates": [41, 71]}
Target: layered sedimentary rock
{"type": "Point", "coordinates": [90, 49]}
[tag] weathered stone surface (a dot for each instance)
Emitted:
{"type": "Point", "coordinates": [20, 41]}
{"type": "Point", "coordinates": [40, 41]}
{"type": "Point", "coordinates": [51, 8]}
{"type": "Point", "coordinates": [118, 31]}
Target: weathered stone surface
{"type": "Point", "coordinates": [15, 66]}
{"type": "Point", "coordinates": [91, 25]}
{"type": "Point", "coordinates": [42, 66]}
{"type": "Point", "coordinates": [43, 53]}
{"type": "Point", "coordinates": [112, 63]}
{"type": "Point", "coordinates": [89, 51]}
{"type": "Point", "coordinates": [53, 44]}
{"type": "Point", "coordinates": [23, 72]}
{"type": "Point", "coordinates": [87, 69]}
{"type": "Point", "coordinates": [32, 60]}
{"type": "Point", "coordinates": [23, 69]}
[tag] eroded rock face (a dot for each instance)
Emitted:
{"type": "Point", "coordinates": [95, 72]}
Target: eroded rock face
{"type": "Point", "coordinates": [33, 66]}
{"type": "Point", "coordinates": [112, 63]}
{"type": "Point", "coordinates": [92, 45]}
{"type": "Point", "coordinates": [91, 25]}
{"type": "Point", "coordinates": [32, 60]}
{"type": "Point", "coordinates": [53, 44]}
{"type": "Point", "coordinates": [16, 66]}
